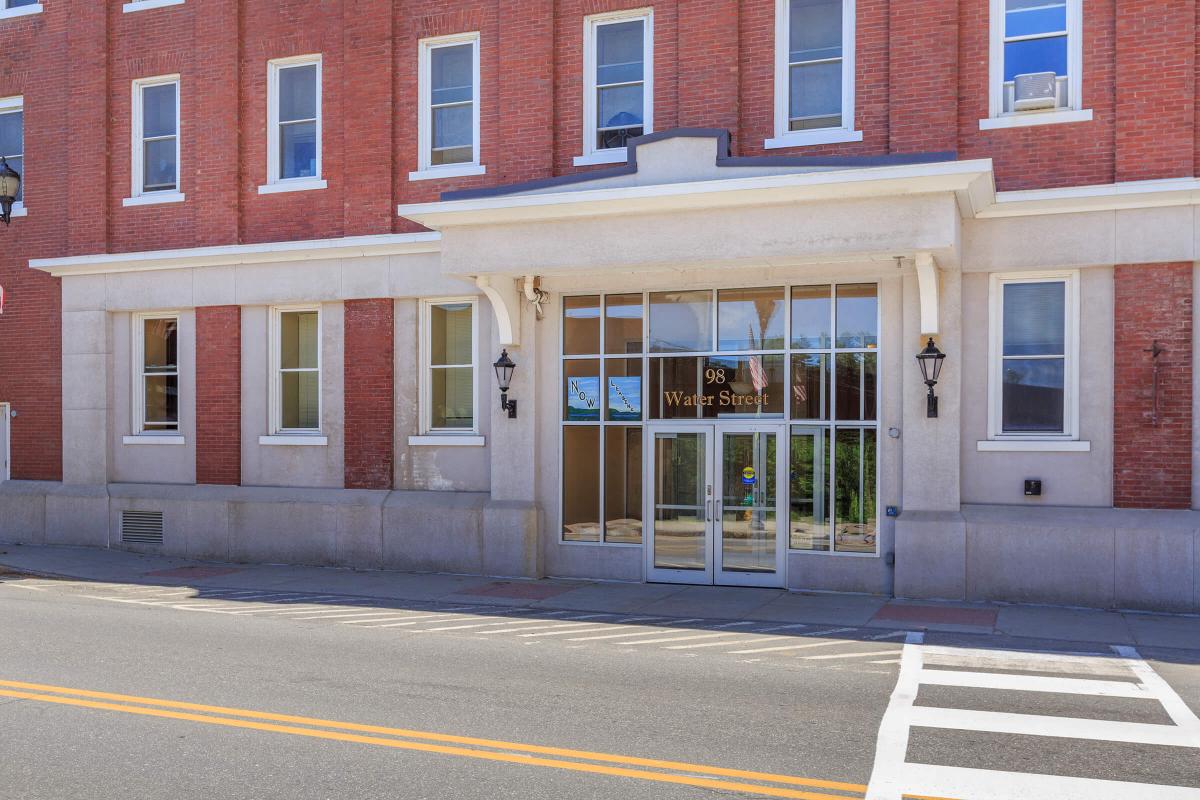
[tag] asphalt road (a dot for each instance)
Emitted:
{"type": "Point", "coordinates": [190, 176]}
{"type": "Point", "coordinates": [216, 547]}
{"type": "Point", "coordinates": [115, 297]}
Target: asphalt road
{"type": "Point", "coordinates": [281, 688]}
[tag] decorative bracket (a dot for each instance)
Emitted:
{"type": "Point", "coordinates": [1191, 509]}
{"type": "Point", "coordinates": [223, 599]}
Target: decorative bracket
{"type": "Point", "coordinates": [927, 281]}
{"type": "Point", "coordinates": [506, 305]}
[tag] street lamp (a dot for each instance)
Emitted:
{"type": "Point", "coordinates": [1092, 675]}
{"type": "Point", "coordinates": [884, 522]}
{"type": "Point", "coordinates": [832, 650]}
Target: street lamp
{"type": "Point", "coordinates": [931, 360]}
{"type": "Point", "coordinates": [10, 185]}
{"type": "Point", "coordinates": [504, 367]}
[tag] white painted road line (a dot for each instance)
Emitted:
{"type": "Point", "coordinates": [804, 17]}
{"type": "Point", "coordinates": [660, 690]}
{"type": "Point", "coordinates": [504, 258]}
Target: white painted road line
{"type": "Point", "coordinates": [891, 747]}
{"type": "Point", "coordinates": [567, 630]}
{"type": "Point", "coordinates": [794, 646]}
{"type": "Point", "coordinates": [488, 624]}
{"type": "Point", "coordinates": [410, 621]}
{"type": "Point", "coordinates": [680, 638]}
{"type": "Point", "coordinates": [653, 631]}
{"type": "Point", "coordinates": [829, 656]}
{"type": "Point", "coordinates": [318, 615]}
{"type": "Point", "coordinates": [1040, 725]}
{"type": "Point", "coordinates": [985, 784]}
{"type": "Point", "coordinates": [1033, 683]}
{"type": "Point", "coordinates": [1177, 710]}
{"type": "Point", "coordinates": [759, 640]}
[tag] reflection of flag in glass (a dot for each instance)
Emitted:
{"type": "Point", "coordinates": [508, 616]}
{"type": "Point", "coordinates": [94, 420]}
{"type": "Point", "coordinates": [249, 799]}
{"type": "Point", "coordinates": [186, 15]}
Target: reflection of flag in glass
{"type": "Point", "coordinates": [757, 375]}
{"type": "Point", "coordinates": [801, 392]}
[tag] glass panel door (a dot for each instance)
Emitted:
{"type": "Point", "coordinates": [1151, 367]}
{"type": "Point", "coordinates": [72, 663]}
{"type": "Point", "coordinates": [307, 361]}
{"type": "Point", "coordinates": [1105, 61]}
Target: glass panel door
{"type": "Point", "coordinates": [679, 549]}
{"type": "Point", "coordinates": [749, 540]}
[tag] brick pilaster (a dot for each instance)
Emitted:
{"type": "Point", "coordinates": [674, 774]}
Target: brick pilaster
{"type": "Point", "coordinates": [369, 393]}
{"type": "Point", "coordinates": [219, 395]}
{"type": "Point", "coordinates": [1152, 461]}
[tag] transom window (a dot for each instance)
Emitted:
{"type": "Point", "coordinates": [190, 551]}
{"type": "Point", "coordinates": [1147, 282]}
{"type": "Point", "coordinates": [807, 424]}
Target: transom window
{"type": "Point", "coordinates": [1036, 55]}
{"type": "Point", "coordinates": [808, 354]}
{"type": "Point", "coordinates": [156, 135]}
{"type": "Point", "coordinates": [1033, 357]}
{"type": "Point", "coordinates": [156, 358]}
{"type": "Point", "coordinates": [449, 110]}
{"type": "Point", "coordinates": [618, 68]}
{"type": "Point", "coordinates": [814, 72]}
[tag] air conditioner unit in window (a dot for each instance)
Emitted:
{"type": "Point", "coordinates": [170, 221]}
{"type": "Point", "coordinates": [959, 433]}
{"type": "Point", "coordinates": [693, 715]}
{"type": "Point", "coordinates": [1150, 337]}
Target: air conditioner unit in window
{"type": "Point", "coordinates": [1035, 90]}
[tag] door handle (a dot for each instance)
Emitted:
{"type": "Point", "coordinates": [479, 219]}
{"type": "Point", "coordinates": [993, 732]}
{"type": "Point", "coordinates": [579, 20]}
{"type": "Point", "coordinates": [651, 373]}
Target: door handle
{"type": "Point", "coordinates": [707, 510]}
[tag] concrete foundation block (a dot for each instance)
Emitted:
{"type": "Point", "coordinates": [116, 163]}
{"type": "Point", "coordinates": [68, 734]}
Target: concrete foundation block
{"type": "Point", "coordinates": [823, 573]}
{"type": "Point", "coordinates": [510, 539]}
{"type": "Point", "coordinates": [206, 534]}
{"type": "Point", "coordinates": [360, 531]}
{"type": "Point", "coordinates": [931, 555]}
{"type": "Point", "coordinates": [23, 511]}
{"type": "Point", "coordinates": [434, 532]}
{"type": "Point", "coordinates": [1155, 569]}
{"type": "Point", "coordinates": [78, 515]}
{"type": "Point", "coordinates": [283, 531]}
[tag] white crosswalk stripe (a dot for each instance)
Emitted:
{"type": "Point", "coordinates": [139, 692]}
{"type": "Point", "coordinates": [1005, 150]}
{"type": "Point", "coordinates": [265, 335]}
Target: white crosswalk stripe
{"type": "Point", "coordinates": [1126, 675]}
{"type": "Point", "coordinates": [828, 632]}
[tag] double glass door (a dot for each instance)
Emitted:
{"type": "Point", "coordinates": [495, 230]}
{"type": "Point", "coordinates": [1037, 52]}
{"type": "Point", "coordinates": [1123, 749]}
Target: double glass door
{"type": "Point", "coordinates": [716, 512]}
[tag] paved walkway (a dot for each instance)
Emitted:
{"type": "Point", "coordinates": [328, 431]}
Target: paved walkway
{"type": "Point", "coordinates": [771, 605]}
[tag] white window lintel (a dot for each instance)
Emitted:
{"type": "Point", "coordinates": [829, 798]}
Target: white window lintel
{"type": "Point", "coordinates": [21, 11]}
{"type": "Point", "coordinates": [146, 5]}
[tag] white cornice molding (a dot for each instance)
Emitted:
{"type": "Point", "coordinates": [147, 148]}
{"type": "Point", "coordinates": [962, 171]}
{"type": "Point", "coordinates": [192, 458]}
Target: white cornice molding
{"type": "Point", "coordinates": [970, 181]}
{"type": "Point", "coordinates": [1101, 197]}
{"type": "Point", "coordinates": [238, 254]}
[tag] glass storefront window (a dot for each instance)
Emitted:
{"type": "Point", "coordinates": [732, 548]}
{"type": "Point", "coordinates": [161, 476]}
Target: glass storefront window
{"type": "Point", "coordinates": [581, 326]}
{"type": "Point", "coordinates": [714, 387]}
{"type": "Point", "coordinates": [581, 483]}
{"type": "Point", "coordinates": [810, 386]}
{"type": "Point", "coordinates": [855, 520]}
{"type": "Point", "coordinates": [856, 386]}
{"type": "Point", "coordinates": [623, 484]}
{"type": "Point", "coordinates": [581, 387]}
{"type": "Point", "coordinates": [857, 315]}
{"type": "Point", "coordinates": [808, 476]}
{"type": "Point", "coordinates": [681, 322]}
{"type": "Point", "coordinates": [812, 314]}
{"type": "Point", "coordinates": [750, 319]}
{"type": "Point", "coordinates": [622, 324]}
{"type": "Point", "coordinates": [623, 389]}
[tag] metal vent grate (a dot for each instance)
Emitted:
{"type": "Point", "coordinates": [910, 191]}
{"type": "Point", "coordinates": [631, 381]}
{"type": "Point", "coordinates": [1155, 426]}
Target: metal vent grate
{"type": "Point", "coordinates": [142, 527]}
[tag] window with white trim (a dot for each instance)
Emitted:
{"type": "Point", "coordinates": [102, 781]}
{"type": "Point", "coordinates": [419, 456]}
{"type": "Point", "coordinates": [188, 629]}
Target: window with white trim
{"type": "Point", "coordinates": [17, 8]}
{"type": "Point", "coordinates": [155, 123]}
{"type": "Point", "coordinates": [448, 115]}
{"type": "Point", "coordinates": [618, 103]}
{"type": "Point", "coordinates": [814, 73]}
{"type": "Point", "coordinates": [296, 382]}
{"type": "Point", "coordinates": [1033, 359]}
{"type": "Point", "coordinates": [12, 141]}
{"type": "Point", "coordinates": [156, 381]}
{"type": "Point", "coordinates": [19, 3]}
{"type": "Point", "coordinates": [448, 348]}
{"type": "Point", "coordinates": [1036, 56]}
{"type": "Point", "coordinates": [294, 124]}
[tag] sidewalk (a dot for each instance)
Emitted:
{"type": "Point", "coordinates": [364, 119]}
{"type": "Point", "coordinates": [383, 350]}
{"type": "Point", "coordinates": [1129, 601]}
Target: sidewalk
{"type": "Point", "coordinates": [721, 602]}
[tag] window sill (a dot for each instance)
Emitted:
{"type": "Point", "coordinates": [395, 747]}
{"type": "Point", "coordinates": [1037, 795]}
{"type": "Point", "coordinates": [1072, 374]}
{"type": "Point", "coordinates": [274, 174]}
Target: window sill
{"type": "Point", "coordinates": [446, 440]}
{"type": "Point", "coordinates": [1033, 446]}
{"type": "Point", "coordinates": [20, 11]}
{"type": "Point", "coordinates": [145, 5]}
{"type": "Point", "coordinates": [451, 171]}
{"type": "Point", "coordinates": [294, 440]}
{"type": "Point", "coordinates": [153, 438]}
{"type": "Point", "coordinates": [293, 185]}
{"type": "Point", "coordinates": [618, 155]}
{"type": "Point", "coordinates": [807, 138]}
{"type": "Point", "coordinates": [18, 210]}
{"type": "Point", "coordinates": [153, 199]}
{"type": "Point", "coordinates": [1029, 118]}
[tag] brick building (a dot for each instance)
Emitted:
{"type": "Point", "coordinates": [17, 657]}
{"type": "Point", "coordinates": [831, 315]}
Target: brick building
{"type": "Point", "coordinates": [267, 251]}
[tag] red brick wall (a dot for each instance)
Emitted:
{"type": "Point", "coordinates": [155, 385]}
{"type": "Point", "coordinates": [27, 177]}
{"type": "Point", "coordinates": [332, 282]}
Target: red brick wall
{"type": "Point", "coordinates": [1152, 464]}
{"type": "Point", "coordinates": [369, 391]}
{"type": "Point", "coordinates": [219, 395]}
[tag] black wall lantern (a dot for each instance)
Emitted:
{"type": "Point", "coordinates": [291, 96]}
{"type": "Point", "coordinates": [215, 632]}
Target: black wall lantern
{"type": "Point", "coordinates": [10, 185]}
{"type": "Point", "coordinates": [504, 367]}
{"type": "Point", "coordinates": [931, 360]}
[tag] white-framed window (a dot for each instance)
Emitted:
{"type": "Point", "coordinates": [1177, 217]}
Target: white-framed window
{"type": "Point", "coordinates": [1033, 356]}
{"type": "Point", "coordinates": [12, 144]}
{"type": "Point", "coordinates": [295, 370]}
{"type": "Point", "coordinates": [156, 374]}
{"type": "Point", "coordinates": [448, 110]}
{"type": "Point", "coordinates": [154, 123]}
{"type": "Point", "coordinates": [618, 79]}
{"type": "Point", "coordinates": [1036, 63]}
{"type": "Point", "coordinates": [814, 73]}
{"type": "Point", "coordinates": [449, 366]}
{"type": "Point", "coordinates": [146, 5]}
{"type": "Point", "coordinates": [19, 8]}
{"type": "Point", "coordinates": [293, 125]}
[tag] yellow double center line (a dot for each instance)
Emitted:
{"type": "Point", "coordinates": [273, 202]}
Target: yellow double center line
{"type": "Point", "coordinates": [508, 752]}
